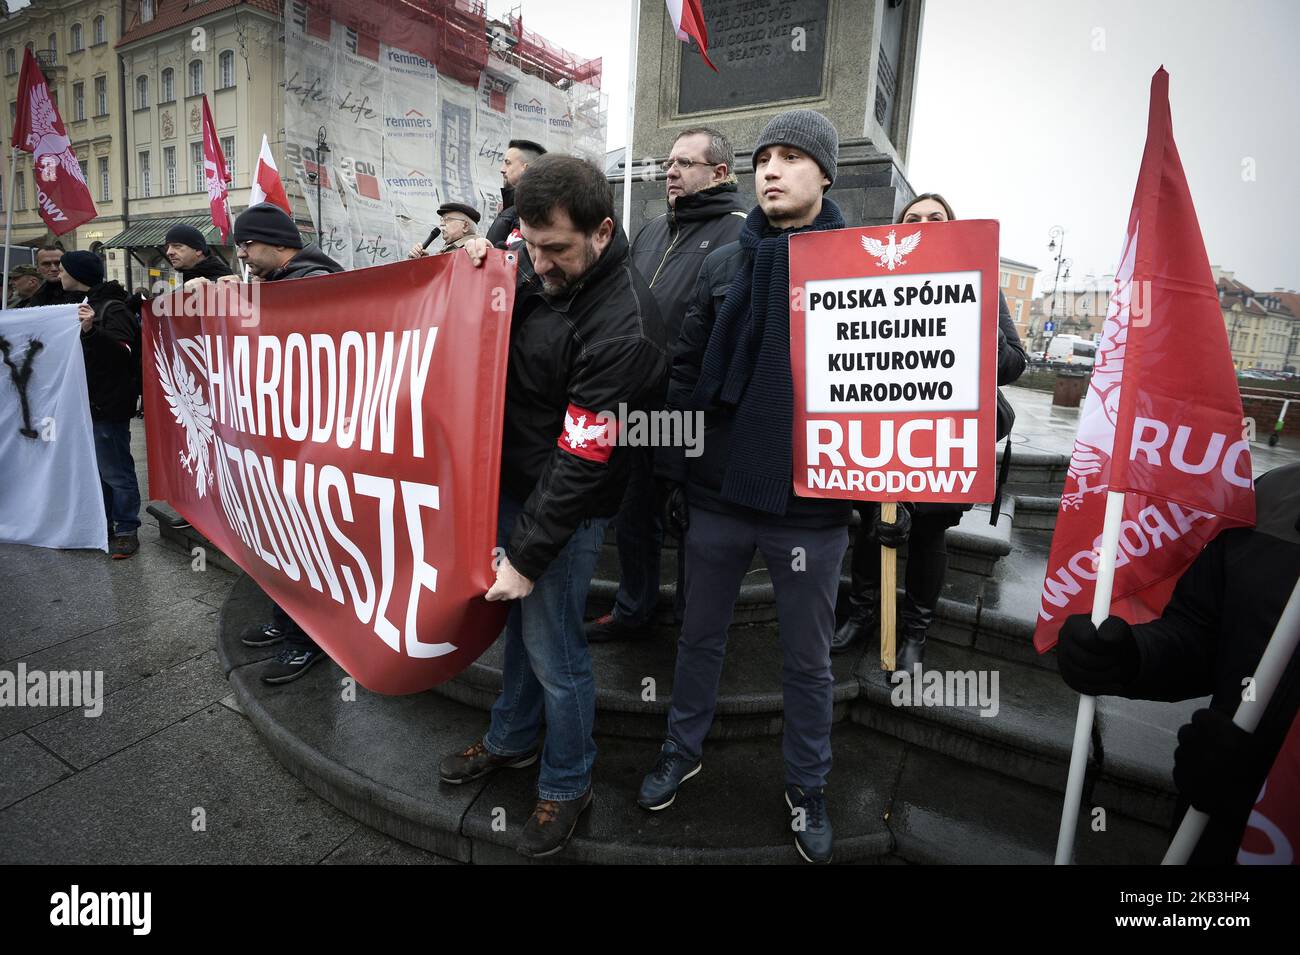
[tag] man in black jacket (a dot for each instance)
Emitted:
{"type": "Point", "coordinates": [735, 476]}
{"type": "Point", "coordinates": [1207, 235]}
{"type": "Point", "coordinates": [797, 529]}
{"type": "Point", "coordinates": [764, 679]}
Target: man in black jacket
{"type": "Point", "coordinates": [267, 239]}
{"type": "Point", "coordinates": [24, 282]}
{"type": "Point", "coordinates": [704, 213]}
{"type": "Point", "coordinates": [732, 361]}
{"type": "Point", "coordinates": [188, 252]}
{"type": "Point", "coordinates": [51, 292]}
{"type": "Point", "coordinates": [110, 344]}
{"type": "Point", "coordinates": [585, 338]}
{"type": "Point", "coordinates": [1207, 642]}
{"type": "Point", "coordinates": [520, 154]}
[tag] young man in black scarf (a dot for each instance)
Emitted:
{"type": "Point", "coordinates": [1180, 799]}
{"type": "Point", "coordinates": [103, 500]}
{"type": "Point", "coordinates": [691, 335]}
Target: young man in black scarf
{"type": "Point", "coordinates": [732, 361]}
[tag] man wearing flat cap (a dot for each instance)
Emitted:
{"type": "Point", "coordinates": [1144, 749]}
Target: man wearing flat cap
{"type": "Point", "coordinates": [457, 222]}
{"type": "Point", "coordinates": [24, 281]}
{"type": "Point", "coordinates": [504, 230]}
{"type": "Point", "coordinates": [187, 251]}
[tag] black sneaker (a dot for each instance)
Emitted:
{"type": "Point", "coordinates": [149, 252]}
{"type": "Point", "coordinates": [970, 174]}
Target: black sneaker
{"type": "Point", "coordinates": [672, 768]}
{"type": "Point", "coordinates": [476, 762]}
{"type": "Point", "coordinates": [291, 663]}
{"type": "Point", "coordinates": [123, 546]}
{"type": "Point", "coordinates": [811, 824]}
{"type": "Point", "coordinates": [548, 829]}
{"type": "Point", "coordinates": [262, 636]}
{"type": "Point", "coordinates": [607, 628]}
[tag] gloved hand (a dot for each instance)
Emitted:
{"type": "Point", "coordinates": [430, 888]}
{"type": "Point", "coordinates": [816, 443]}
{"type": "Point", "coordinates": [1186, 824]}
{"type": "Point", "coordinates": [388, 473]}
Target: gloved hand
{"type": "Point", "coordinates": [1097, 661]}
{"type": "Point", "coordinates": [1216, 764]}
{"type": "Point", "coordinates": [895, 534]}
{"type": "Point", "coordinates": [672, 505]}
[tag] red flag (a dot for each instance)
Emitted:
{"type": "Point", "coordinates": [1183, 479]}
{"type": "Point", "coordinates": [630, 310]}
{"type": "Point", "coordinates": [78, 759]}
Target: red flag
{"type": "Point", "coordinates": [215, 175]}
{"type": "Point", "coordinates": [1162, 419]}
{"type": "Point", "coordinates": [267, 186]}
{"type": "Point", "coordinates": [62, 196]}
{"type": "Point", "coordinates": [1272, 834]}
{"type": "Point", "coordinates": [688, 22]}
{"type": "Point", "coordinates": [362, 495]}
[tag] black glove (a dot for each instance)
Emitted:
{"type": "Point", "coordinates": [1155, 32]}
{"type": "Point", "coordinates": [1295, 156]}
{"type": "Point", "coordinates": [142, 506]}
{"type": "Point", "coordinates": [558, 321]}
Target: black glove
{"type": "Point", "coordinates": [895, 534]}
{"type": "Point", "coordinates": [672, 505]}
{"type": "Point", "coordinates": [1216, 764]}
{"type": "Point", "coordinates": [1097, 661]}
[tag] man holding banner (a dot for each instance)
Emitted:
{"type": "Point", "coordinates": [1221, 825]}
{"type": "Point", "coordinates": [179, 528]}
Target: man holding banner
{"type": "Point", "coordinates": [586, 341]}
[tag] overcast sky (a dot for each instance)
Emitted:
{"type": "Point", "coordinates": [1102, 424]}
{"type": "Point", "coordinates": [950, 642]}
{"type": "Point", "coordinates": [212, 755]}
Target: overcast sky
{"type": "Point", "coordinates": [1034, 112]}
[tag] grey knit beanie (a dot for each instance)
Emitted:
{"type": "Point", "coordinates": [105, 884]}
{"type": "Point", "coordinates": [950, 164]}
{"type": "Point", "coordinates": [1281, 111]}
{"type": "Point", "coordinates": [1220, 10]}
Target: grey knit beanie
{"type": "Point", "coordinates": [804, 129]}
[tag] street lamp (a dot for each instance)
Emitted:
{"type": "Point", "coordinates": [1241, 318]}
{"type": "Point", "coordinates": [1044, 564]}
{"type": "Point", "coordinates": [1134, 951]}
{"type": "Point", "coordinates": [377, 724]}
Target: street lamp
{"type": "Point", "coordinates": [322, 153]}
{"type": "Point", "coordinates": [1055, 233]}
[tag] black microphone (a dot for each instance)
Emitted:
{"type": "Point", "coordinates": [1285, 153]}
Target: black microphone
{"type": "Point", "coordinates": [432, 235]}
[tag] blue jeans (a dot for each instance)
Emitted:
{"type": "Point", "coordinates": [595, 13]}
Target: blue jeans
{"type": "Point", "coordinates": [547, 666]}
{"type": "Point", "coordinates": [117, 475]}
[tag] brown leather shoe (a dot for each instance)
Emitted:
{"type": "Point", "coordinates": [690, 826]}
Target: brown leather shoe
{"type": "Point", "coordinates": [476, 762]}
{"type": "Point", "coordinates": [552, 823]}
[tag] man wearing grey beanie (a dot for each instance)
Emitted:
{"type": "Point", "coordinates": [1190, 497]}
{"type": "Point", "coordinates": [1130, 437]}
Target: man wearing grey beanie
{"type": "Point", "coordinates": [732, 361]}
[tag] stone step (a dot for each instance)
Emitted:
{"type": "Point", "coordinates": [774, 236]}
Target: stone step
{"type": "Point", "coordinates": [1035, 472]}
{"type": "Point", "coordinates": [1037, 513]}
{"type": "Point", "coordinates": [374, 757]}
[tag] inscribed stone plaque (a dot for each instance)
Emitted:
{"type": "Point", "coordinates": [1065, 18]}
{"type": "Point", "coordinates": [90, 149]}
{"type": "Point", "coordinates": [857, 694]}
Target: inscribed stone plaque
{"type": "Point", "coordinates": [759, 54]}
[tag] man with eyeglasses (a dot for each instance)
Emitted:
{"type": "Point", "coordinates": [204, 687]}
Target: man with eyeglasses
{"type": "Point", "coordinates": [457, 222]}
{"type": "Point", "coordinates": [704, 213]}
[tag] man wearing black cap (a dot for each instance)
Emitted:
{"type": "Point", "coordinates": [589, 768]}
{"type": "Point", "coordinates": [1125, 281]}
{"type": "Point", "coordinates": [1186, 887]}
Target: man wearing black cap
{"type": "Point", "coordinates": [504, 230]}
{"type": "Point", "coordinates": [732, 361]}
{"type": "Point", "coordinates": [189, 254]}
{"type": "Point", "coordinates": [110, 343]}
{"type": "Point", "coordinates": [269, 242]}
{"type": "Point", "coordinates": [456, 221]}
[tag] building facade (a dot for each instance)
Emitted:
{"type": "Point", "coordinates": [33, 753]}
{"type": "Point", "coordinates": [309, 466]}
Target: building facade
{"type": "Point", "coordinates": [73, 41]}
{"type": "Point", "coordinates": [1262, 329]}
{"type": "Point", "coordinates": [1016, 282]}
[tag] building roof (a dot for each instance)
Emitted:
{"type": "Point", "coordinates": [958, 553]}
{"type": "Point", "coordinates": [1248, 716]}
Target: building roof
{"type": "Point", "coordinates": [174, 13]}
{"type": "Point", "coordinates": [1012, 263]}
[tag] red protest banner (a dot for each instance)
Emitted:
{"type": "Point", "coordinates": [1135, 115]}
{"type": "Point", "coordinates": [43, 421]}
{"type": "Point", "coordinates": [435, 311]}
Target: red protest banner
{"type": "Point", "coordinates": [345, 455]}
{"type": "Point", "coordinates": [1272, 833]}
{"type": "Point", "coordinates": [1162, 419]}
{"type": "Point", "coordinates": [893, 348]}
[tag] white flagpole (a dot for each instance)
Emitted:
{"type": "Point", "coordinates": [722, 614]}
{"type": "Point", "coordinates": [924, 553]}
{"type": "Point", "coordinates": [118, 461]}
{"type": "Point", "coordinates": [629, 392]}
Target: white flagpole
{"type": "Point", "coordinates": [1281, 648]}
{"type": "Point", "coordinates": [631, 119]}
{"type": "Point", "coordinates": [1088, 704]}
{"type": "Point", "coordinates": [9, 221]}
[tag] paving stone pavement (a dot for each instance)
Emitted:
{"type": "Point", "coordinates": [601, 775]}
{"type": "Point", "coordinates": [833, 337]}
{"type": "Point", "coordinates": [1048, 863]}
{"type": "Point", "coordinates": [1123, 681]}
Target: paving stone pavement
{"type": "Point", "coordinates": [170, 771]}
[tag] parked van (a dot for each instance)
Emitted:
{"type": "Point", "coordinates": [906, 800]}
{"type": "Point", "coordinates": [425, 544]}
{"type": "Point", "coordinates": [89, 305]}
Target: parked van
{"type": "Point", "coordinates": [1071, 350]}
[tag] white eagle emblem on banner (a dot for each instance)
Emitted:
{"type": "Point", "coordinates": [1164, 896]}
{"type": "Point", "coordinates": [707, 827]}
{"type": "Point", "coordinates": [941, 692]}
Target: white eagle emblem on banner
{"type": "Point", "coordinates": [190, 409]}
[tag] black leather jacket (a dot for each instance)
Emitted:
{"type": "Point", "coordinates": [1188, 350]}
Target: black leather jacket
{"type": "Point", "coordinates": [586, 351]}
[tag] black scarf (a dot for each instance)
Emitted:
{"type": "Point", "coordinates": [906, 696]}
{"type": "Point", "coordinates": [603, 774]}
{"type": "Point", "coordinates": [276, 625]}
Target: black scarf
{"type": "Point", "coordinates": [746, 365]}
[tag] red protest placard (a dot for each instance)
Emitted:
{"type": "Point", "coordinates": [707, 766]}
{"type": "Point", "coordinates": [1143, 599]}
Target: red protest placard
{"type": "Point", "coordinates": [339, 438]}
{"type": "Point", "coordinates": [893, 348]}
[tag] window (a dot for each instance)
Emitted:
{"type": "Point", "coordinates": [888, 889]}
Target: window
{"type": "Point", "coordinates": [1020, 282]}
{"type": "Point", "coordinates": [196, 77]}
{"type": "Point", "coordinates": [11, 61]}
{"type": "Point", "coordinates": [99, 31]}
{"type": "Point", "coordinates": [78, 43]}
{"type": "Point", "coordinates": [1006, 280]}
{"type": "Point", "coordinates": [168, 92]}
{"type": "Point", "coordinates": [228, 150]}
{"type": "Point", "coordinates": [196, 163]}
{"type": "Point", "coordinates": [53, 44]}
{"type": "Point", "coordinates": [78, 101]}
{"type": "Point", "coordinates": [21, 191]}
{"type": "Point", "coordinates": [226, 69]}
{"type": "Point", "coordinates": [169, 170]}
{"type": "Point", "coordinates": [142, 173]}
{"type": "Point", "coordinates": [142, 92]}
{"type": "Point", "coordinates": [146, 11]}
{"type": "Point", "coordinates": [105, 193]}
{"type": "Point", "coordinates": [1020, 310]}
{"type": "Point", "coordinates": [85, 171]}
{"type": "Point", "coordinates": [101, 96]}
{"type": "Point", "coordinates": [13, 113]}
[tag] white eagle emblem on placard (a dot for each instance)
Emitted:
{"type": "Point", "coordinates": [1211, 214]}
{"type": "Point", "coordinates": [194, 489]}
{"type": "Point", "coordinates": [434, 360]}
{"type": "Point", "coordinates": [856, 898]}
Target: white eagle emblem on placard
{"type": "Point", "coordinates": [891, 254]}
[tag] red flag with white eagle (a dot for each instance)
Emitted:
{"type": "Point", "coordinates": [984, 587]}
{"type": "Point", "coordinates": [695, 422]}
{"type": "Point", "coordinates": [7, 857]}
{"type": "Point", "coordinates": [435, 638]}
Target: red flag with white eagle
{"type": "Point", "coordinates": [215, 175]}
{"type": "Point", "coordinates": [688, 23]}
{"type": "Point", "coordinates": [267, 186]}
{"type": "Point", "coordinates": [62, 196]}
{"type": "Point", "coordinates": [1162, 419]}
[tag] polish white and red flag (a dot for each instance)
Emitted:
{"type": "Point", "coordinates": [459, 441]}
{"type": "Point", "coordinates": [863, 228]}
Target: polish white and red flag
{"type": "Point", "coordinates": [688, 23]}
{"type": "Point", "coordinates": [216, 175]}
{"type": "Point", "coordinates": [62, 196]}
{"type": "Point", "coordinates": [267, 186]}
{"type": "Point", "coordinates": [1162, 419]}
